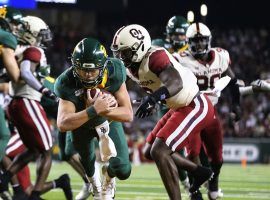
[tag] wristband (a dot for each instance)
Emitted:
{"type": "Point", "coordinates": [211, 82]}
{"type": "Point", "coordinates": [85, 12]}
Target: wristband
{"type": "Point", "coordinates": [161, 94]}
{"type": "Point", "coordinates": [91, 112]}
{"type": "Point", "coordinates": [40, 89]}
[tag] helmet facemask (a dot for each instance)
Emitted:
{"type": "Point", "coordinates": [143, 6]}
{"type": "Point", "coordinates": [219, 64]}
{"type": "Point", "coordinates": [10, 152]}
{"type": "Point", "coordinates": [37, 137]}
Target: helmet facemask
{"type": "Point", "coordinates": [89, 74]}
{"type": "Point", "coordinates": [199, 45]}
{"type": "Point", "coordinates": [127, 54]}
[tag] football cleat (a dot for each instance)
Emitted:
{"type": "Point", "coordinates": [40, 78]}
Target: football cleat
{"type": "Point", "coordinates": [65, 186]}
{"type": "Point", "coordinates": [197, 195]}
{"type": "Point", "coordinates": [96, 184]}
{"type": "Point", "coordinates": [85, 192]}
{"type": "Point", "coordinates": [108, 185]}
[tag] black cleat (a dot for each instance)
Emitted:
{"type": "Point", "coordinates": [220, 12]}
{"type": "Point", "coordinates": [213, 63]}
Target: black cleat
{"type": "Point", "coordinates": [35, 198]}
{"type": "Point", "coordinates": [20, 196]}
{"type": "Point", "coordinates": [197, 195]}
{"type": "Point", "coordinates": [201, 175]}
{"type": "Point", "coordinates": [64, 183]}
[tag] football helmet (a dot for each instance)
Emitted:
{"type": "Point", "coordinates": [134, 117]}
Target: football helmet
{"type": "Point", "coordinates": [131, 43]}
{"type": "Point", "coordinates": [89, 60]}
{"type": "Point", "coordinates": [9, 17]}
{"type": "Point", "coordinates": [34, 31]}
{"type": "Point", "coordinates": [199, 39]}
{"type": "Point", "coordinates": [175, 31]}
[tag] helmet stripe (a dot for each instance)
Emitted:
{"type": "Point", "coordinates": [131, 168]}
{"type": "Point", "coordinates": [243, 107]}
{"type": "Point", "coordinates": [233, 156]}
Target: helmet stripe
{"type": "Point", "coordinates": [198, 27]}
{"type": "Point", "coordinates": [117, 33]}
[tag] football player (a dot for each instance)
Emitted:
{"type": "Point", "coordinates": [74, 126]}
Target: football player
{"type": "Point", "coordinates": [26, 95]}
{"type": "Point", "coordinates": [209, 64]}
{"type": "Point", "coordinates": [9, 66]}
{"type": "Point", "coordinates": [91, 68]}
{"type": "Point", "coordinates": [157, 71]}
{"type": "Point", "coordinates": [175, 42]}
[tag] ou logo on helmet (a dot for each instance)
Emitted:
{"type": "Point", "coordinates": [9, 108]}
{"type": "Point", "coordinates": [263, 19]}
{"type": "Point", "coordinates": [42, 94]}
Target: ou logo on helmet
{"type": "Point", "coordinates": [136, 34]}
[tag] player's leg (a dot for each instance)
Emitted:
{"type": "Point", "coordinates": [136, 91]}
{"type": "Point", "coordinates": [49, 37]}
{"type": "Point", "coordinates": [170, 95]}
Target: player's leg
{"type": "Point", "coordinates": [4, 138]}
{"type": "Point", "coordinates": [118, 166]}
{"type": "Point", "coordinates": [34, 130]}
{"type": "Point", "coordinates": [213, 139]}
{"type": "Point", "coordinates": [84, 144]}
{"type": "Point", "coordinates": [180, 125]}
{"type": "Point", "coordinates": [68, 153]}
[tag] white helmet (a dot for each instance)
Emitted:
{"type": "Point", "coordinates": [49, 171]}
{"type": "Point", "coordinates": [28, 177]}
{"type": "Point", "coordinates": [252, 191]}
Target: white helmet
{"type": "Point", "coordinates": [199, 39]}
{"type": "Point", "coordinates": [131, 43]}
{"type": "Point", "coordinates": [34, 31]}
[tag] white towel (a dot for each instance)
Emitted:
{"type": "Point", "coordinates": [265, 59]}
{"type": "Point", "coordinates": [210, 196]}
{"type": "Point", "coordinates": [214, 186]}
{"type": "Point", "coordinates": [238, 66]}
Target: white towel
{"type": "Point", "coordinates": [106, 146]}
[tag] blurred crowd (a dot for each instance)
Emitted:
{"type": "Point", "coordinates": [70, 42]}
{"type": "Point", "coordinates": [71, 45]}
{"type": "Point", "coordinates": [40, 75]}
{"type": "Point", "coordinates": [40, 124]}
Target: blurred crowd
{"type": "Point", "coordinates": [249, 51]}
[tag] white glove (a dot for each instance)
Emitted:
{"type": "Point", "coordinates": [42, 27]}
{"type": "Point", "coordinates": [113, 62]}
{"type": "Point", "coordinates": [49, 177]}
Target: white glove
{"type": "Point", "coordinates": [106, 145]}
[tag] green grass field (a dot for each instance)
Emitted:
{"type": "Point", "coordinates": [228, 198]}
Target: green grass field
{"type": "Point", "coordinates": [251, 183]}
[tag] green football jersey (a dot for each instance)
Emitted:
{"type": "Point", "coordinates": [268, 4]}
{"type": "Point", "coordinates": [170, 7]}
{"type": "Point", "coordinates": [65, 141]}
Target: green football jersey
{"type": "Point", "coordinates": [7, 39]}
{"type": "Point", "coordinates": [69, 88]}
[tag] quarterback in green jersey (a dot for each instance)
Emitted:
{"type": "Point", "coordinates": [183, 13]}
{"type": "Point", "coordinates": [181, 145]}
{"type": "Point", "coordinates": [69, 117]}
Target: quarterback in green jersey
{"type": "Point", "coordinates": [91, 68]}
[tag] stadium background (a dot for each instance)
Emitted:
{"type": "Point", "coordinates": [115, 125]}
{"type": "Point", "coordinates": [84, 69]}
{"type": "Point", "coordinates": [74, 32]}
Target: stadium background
{"type": "Point", "coordinates": [241, 27]}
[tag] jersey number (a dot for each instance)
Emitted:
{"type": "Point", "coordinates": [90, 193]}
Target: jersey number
{"type": "Point", "coordinates": [205, 82]}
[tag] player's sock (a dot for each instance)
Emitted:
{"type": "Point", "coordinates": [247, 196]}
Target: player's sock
{"type": "Point", "coordinates": [19, 194]}
{"type": "Point", "coordinates": [35, 195]}
{"type": "Point", "coordinates": [4, 180]}
{"type": "Point", "coordinates": [17, 189]}
{"type": "Point", "coordinates": [64, 183]}
{"type": "Point", "coordinates": [200, 175]}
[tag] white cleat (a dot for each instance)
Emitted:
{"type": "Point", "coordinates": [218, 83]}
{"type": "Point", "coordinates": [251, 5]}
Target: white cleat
{"type": "Point", "coordinates": [213, 195]}
{"type": "Point", "coordinates": [85, 192]}
{"type": "Point", "coordinates": [108, 185]}
{"type": "Point", "coordinates": [96, 184]}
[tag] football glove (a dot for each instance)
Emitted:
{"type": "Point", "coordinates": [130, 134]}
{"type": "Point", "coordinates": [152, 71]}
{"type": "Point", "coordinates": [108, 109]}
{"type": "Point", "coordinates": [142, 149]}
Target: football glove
{"type": "Point", "coordinates": [146, 107]}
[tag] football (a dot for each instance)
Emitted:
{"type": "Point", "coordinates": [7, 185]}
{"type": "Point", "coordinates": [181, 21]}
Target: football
{"type": "Point", "coordinates": [92, 95]}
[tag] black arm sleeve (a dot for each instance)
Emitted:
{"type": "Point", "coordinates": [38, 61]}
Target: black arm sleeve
{"type": "Point", "coordinates": [234, 90]}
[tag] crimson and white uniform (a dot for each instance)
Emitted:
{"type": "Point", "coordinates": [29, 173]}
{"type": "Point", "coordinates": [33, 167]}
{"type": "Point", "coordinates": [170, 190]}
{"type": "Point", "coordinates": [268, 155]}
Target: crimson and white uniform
{"type": "Point", "coordinates": [190, 112]}
{"type": "Point", "coordinates": [14, 147]}
{"type": "Point", "coordinates": [207, 74]}
{"type": "Point", "coordinates": [25, 110]}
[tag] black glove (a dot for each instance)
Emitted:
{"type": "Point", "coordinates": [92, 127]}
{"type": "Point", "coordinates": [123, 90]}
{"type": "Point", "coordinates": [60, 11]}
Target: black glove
{"type": "Point", "coordinates": [48, 93]}
{"type": "Point", "coordinates": [236, 109]}
{"type": "Point", "coordinates": [146, 107]}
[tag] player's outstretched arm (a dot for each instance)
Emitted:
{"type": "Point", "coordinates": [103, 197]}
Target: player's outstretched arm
{"type": "Point", "coordinates": [10, 64]}
{"type": "Point", "coordinates": [68, 119]}
{"type": "Point", "coordinates": [123, 112]}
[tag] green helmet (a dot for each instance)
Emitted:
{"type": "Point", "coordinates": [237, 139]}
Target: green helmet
{"type": "Point", "coordinates": [89, 57]}
{"type": "Point", "coordinates": [161, 43]}
{"type": "Point", "coordinates": [177, 25]}
{"type": "Point", "coordinates": [9, 15]}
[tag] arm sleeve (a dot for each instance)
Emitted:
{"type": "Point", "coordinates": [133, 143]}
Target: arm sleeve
{"type": "Point", "coordinates": [28, 76]}
{"type": "Point", "coordinates": [235, 93]}
{"type": "Point", "coordinates": [246, 90]}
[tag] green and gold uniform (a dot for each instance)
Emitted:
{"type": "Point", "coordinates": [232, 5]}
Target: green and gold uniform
{"type": "Point", "coordinates": [69, 88]}
{"type": "Point", "coordinates": [6, 40]}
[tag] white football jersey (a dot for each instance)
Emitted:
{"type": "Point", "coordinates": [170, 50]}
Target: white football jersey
{"type": "Point", "coordinates": [150, 81]}
{"type": "Point", "coordinates": [21, 89]}
{"type": "Point", "coordinates": [207, 74]}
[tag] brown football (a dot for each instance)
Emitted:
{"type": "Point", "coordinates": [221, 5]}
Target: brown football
{"type": "Point", "coordinates": [92, 95]}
